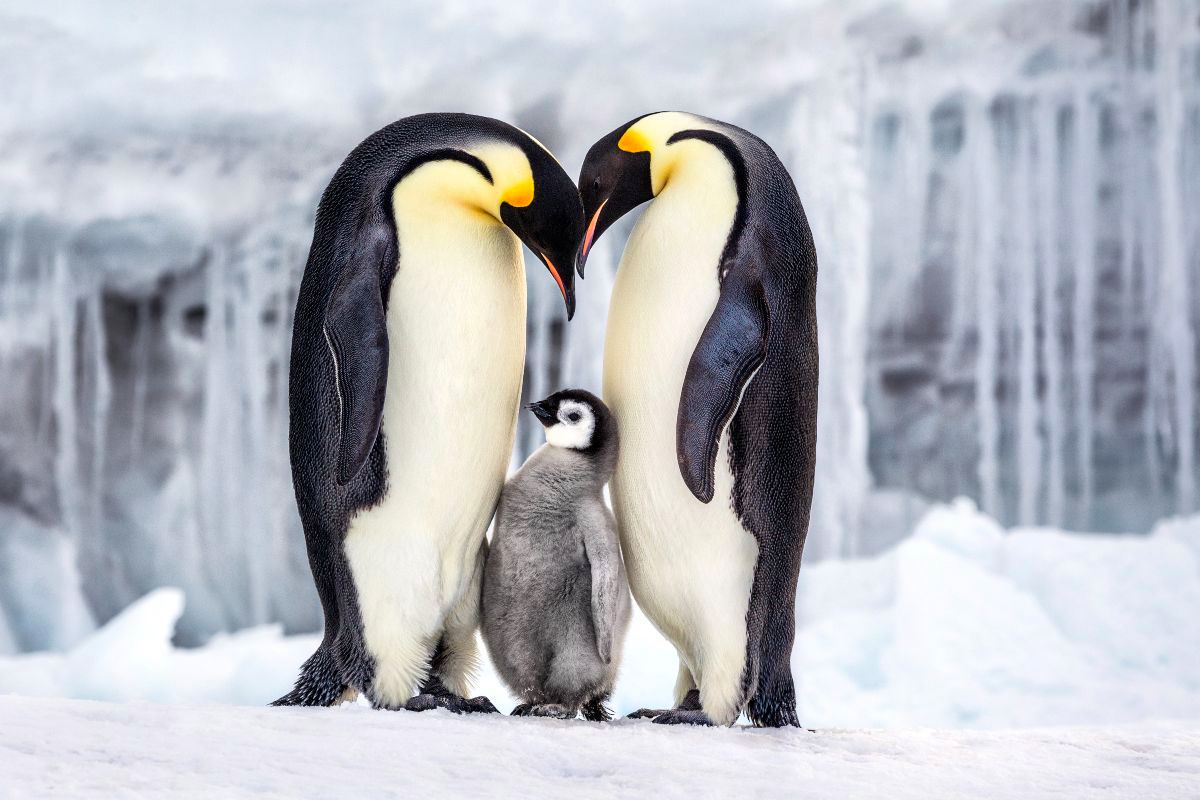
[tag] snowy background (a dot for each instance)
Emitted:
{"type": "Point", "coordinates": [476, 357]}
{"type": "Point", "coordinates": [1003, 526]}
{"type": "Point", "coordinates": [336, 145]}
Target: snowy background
{"type": "Point", "coordinates": [1003, 196]}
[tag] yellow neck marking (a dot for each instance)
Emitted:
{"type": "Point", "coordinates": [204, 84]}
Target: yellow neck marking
{"type": "Point", "coordinates": [651, 134]}
{"type": "Point", "coordinates": [519, 195]}
{"type": "Point", "coordinates": [633, 142]}
{"type": "Point", "coordinates": [456, 183]}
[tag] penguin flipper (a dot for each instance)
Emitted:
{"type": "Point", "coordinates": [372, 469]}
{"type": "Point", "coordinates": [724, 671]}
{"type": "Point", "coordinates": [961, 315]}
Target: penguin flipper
{"type": "Point", "coordinates": [603, 551]}
{"type": "Point", "coordinates": [356, 331]}
{"type": "Point", "coordinates": [729, 351]}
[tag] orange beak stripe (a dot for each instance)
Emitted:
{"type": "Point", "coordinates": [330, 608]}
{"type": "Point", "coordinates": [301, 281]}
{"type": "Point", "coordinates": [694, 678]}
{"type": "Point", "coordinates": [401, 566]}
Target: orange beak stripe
{"type": "Point", "coordinates": [557, 278]}
{"type": "Point", "coordinates": [591, 230]}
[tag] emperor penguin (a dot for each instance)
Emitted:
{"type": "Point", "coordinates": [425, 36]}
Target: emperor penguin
{"type": "Point", "coordinates": [407, 358]}
{"type": "Point", "coordinates": [555, 598]}
{"type": "Point", "coordinates": [710, 367]}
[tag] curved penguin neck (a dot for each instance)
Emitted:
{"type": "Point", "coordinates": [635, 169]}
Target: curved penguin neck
{"type": "Point", "coordinates": [451, 186]}
{"type": "Point", "coordinates": [693, 166]}
{"type": "Point", "coordinates": [699, 198]}
{"type": "Point", "coordinates": [443, 193]}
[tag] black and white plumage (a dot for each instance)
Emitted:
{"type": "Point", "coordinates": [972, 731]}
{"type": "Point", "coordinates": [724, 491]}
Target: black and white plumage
{"type": "Point", "coordinates": [710, 368]}
{"type": "Point", "coordinates": [407, 358]}
{"type": "Point", "coordinates": [555, 597]}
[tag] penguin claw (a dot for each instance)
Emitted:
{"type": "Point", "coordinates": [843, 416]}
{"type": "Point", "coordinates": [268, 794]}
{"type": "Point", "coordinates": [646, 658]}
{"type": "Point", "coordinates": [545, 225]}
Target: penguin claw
{"type": "Point", "coordinates": [690, 702]}
{"type": "Point", "coordinates": [552, 710]}
{"type": "Point", "coordinates": [480, 705]}
{"type": "Point", "coordinates": [452, 703]}
{"type": "Point", "coordinates": [421, 702]}
{"type": "Point", "coordinates": [648, 713]}
{"type": "Point", "coordinates": [684, 716]}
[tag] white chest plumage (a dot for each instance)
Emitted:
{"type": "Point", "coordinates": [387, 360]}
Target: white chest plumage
{"type": "Point", "coordinates": [690, 564]}
{"type": "Point", "coordinates": [456, 331]}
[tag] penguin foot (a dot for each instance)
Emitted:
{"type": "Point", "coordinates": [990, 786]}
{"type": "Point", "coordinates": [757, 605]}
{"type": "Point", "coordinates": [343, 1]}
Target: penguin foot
{"type": "Point", "coordinates": [684, 716]}
{"type": "Point", "coordinates": [690, 702]}
{"type": "Point", "coordinates": [594, 710]}
{"type": "Point", "coordinates": [648, 713]}
{"type": "Point", "coordinates": [451, 702]}
{"type": "Point", "coordinates": [552, 710]}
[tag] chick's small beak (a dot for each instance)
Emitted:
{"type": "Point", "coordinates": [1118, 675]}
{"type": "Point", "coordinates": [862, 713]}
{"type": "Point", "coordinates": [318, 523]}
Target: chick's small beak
{"type": "Point", "coordinates": [541, 412]}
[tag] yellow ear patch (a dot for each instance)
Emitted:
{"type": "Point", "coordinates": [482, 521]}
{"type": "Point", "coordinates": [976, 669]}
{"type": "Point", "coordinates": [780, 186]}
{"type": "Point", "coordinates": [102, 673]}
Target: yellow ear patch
{"type": "Point", "coordinates": [633, 142]}
{"type": "Point", "coordinates": [520, 195]}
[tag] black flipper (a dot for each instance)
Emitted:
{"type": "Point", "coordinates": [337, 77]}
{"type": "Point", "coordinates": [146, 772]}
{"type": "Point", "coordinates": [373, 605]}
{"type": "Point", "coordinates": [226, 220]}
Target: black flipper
{"type": "Point", "coordinates": [731, 348]}
{"type": "Point", "coordinates": [356, 331]}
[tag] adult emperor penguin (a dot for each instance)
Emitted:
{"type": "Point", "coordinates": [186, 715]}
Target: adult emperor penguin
{"type": "Point", "coordinates": [710, 366]}
{"type": "Point", "coordinates": [407, 356]}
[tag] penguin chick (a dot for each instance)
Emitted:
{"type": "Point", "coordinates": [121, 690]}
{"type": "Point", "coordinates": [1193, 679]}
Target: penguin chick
{"type": "Point", "coordinates": [556, 602]}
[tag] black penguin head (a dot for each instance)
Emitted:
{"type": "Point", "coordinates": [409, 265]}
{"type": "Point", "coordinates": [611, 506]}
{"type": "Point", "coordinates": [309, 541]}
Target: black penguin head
{"type": "Point", "coordinates": [577, 420]}
{"type": "Point", "coordinates": [547, 215]}
{"type": "Point", "coordinates": [614, 180]}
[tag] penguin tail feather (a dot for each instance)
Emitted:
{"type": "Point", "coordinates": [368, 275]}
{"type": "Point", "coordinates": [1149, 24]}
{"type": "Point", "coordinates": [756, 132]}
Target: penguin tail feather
{"type": "Point", "coordinates": [319, 683]}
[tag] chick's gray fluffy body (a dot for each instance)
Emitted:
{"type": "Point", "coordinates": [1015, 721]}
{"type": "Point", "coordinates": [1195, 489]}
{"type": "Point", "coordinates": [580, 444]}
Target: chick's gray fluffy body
{"type": "Point", "coordinates": [556, 602]}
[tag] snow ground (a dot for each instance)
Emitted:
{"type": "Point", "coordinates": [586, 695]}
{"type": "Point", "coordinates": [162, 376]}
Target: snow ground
{"type": "Point", "coordinates": [961, 625]}
{"type": "Point", "coordinates": [73, 748]}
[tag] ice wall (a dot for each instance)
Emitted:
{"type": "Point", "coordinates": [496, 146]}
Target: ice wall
{"type": "Point", "coordinates": [1035, 295]}
{"type": "Point", "coordinates": [157, 185]}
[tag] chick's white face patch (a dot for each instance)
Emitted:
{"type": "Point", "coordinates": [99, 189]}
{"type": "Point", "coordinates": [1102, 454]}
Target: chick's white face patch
{"type": "Point", "coordinates": [575, 426]}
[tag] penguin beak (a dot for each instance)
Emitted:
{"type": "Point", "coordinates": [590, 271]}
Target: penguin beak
{"type": "Point", "coordinates": [541, 412]}
{"type": "Point", "coordinates": [567, 287]}
{"type": "Point", "coordinates": [589, 237]}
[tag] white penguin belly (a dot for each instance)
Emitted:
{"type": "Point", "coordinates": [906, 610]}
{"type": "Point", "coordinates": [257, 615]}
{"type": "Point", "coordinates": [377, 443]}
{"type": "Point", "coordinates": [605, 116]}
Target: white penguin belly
{"type": "Point", "coordinates": [456, 332]}
{"type": "Point", "coordinates": [691, 565]}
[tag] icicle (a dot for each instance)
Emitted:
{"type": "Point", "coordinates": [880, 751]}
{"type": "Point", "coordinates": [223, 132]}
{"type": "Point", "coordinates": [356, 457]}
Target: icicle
{"type": "Point", "coordinates": [47, 292]}
{"type": "Point", "coordinates": [1175, 290]}
{"type": "Point", "coordinates": [66, 465]}
{"type": "Point", "coordinates": [915, 148]}
{"type": "Point", "coordinates": [828, 132]}
{"type": "Point", "coordinates": [1029, 446]}
{"type": "Point", "coordinates": [964, 317]}
{"type": "Point", "coordinates": [141, 379]}
{"type": "Point", "coordinates": [1048, 178]}
{"type": "Point", "coordinates": [1127, 111]}
{"type": "Point", "coordinates": [219, 465]}
{"type": "Point", "coordinates": [251, 439]}
{"type": "Point", "coordinates": [1157, 417]}
{"type": "Point", "coordinates": [982, 146]}
{"type": "Point", "coordinates": [101, 398]}
{"type": "Point", "coordinates": [1084, 253]}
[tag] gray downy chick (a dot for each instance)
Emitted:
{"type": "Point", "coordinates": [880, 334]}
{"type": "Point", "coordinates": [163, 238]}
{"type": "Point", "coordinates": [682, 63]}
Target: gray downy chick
{"type": "Point", "coordinates": [556, 601]}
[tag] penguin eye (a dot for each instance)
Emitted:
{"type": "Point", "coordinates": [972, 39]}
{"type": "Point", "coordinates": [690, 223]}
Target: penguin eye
{"type": "Point", "coordinates": [574, 416]}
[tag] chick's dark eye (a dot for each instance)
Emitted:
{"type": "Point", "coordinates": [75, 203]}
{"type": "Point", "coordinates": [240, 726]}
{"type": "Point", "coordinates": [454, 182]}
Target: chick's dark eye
{"type": "Point", "coordinates": [574, 416]}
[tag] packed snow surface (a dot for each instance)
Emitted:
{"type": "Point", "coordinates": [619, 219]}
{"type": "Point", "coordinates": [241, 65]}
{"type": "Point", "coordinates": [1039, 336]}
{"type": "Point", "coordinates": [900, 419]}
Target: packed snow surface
{"type": "Point", "coordinates": [961, 625]}
{"type": "Point", "coordinates": [73, 748]}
